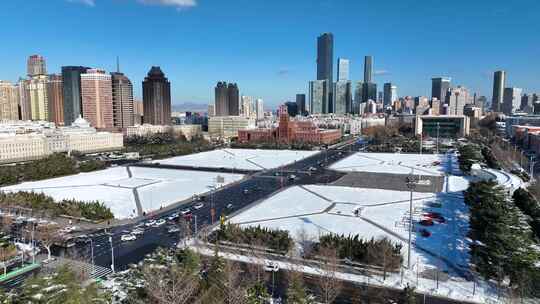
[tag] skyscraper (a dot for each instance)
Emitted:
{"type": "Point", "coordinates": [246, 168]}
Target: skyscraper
{"type": "Point", "coordinates": [511, 100]}
{"type": "Point", "coordinates": [157, 98]}
{"type": "Point", "coordinates": [25, 112]}
{"type": "Point", "coordinates": [55, 96]}
{"type": "Point", "coordinates": [247, 107]}
{"type": "Point", "coordinates": [96, 94]}
{"type": "Point", "coordinates": [439, 88]}
{"type": "Point", "coordinates": [36, 88]}
{"type": "Point", "coordinates": [221, 99]}
{"type": "Point", "coordinates": [259, 108]}
{"type": "Point", "coordinates": [369, 91]}
{"type": "Point", "coordinates": [342, 97]}
{"type": "Point", "coordinates": [71, 79]}
{"type": "Point", "coordinates": [122, 100]}
{"type": "Point", "coordinates": [319, 91]}
{"type": "Point", "coordinates": [390, 94]}
{"type": "Point", "coordinates": [499, 83]}
{"type": "Point", "coordinates": [301, 103]}
{"type": "Point", "coordinates": [456, 100]}
{"type": "Point", "coordinates": [343, 69]}
{"type": "Point", "coordinates": [368, 68]}
{"type": "Point", "coordinates": [233, 99]}
{"type": "Point", "coordinates": [36, 66]}
{"type": "Point", "coordinates": [325, 55]}
{"type": "Point", "coordinates": [9, 101]}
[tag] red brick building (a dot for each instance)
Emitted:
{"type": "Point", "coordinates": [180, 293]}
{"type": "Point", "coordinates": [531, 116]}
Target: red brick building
{"type": "Point", "coordinates": [290, 131]}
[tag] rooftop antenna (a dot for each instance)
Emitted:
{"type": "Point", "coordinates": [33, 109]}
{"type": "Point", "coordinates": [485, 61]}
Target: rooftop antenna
{"type": "Point", "coordinates": [117, 64]}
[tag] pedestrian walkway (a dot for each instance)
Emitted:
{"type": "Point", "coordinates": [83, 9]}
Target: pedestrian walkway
{"type": "Point", "coordinates": [94, 272]}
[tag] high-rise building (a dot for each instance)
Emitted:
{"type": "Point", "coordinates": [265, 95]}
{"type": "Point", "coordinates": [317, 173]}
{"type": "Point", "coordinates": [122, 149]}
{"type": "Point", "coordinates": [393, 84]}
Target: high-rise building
{"type": "Point", "coordinates": [259, 107]}
{"type": "Point", "coordinates": [369, 91]}
{"type": "Point", "coordinates": [122, 101]}
{"type": "Point", "coordinates": [96, 93]}
{"type": "Point", "coordinates": [343, 69]}
{"type": "Point", "coordinates": [247, 106]}
{"type": "Point", "coordinates": [157, 98]}
{"type": "Point", "coordinates": [36, 66]}
{"type": "Point", "coordinates": [211, 110]}
{"type": "Point", "coordinates": [368, 69]}
{"type": "Point", "coordinates": [511, 100]}
{"type": "Point", "coordinates": [325, 55]}
{"type": "Point", "coordinates": [301, 103]}
{"type": "Point", "coordinates": [36, 88]}
{"type": "Point", "coordinates": [221, 99]}
{"type": "Point", "coordinates": [390, 94]}
{"type": "Point", "coordinates": [233, 99]}
{"type": "Point", "coordinates": [9, 101]}
{"type": "Point", "coordinates": [25, 112]}
{"type": "Point", "coordinates": [342, 97]}
{"type": "Point", "coordinates": [71, 78]}
{"type": "Point", "coordinates": [292, 108]}
{"type": "Point", "coordinates": [527, 101]}
{"type": "Point", "coordinates": [319, 91]}
{"type": "Point", "coordinates": [440, 87]}
{"type": "Point", "coordinates": [138, 112]}
{"type": "Point", "coordinates": [456, 100]}
{"type": "Point", "coordinates": [499, 83]}
{"type": "Point", "coordinates": [55, 96]}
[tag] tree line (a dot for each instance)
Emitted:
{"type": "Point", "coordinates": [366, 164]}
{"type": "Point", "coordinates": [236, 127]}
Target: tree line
{"type": "Point", "coordinates": [166, 144]}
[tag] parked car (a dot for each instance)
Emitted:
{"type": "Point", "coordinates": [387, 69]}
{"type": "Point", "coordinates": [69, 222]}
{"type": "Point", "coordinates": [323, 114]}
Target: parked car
{"type": "Point", "coordinates": [160, 222]}
{"type": "Point", "coordinates": [150, 223]}
{"type": "Point", "coordinates": [198, 206]}
{"type": "Point", "coordinates": [185, 211]}
{"type": "Point", "coordinates": [271, 266]}
{"type": "Point", "coordinates": [128, 237]}
{"type": "Point", "coordinates": [292, 177]}
{"type": "Point", "coordinates": [138, 231]}
{"type": "Point", "coordinates": [173, 217]}
{"type": "Point", "coordinates": [173, 229]}
{"type": "Point", "coordinates": [230, 206]}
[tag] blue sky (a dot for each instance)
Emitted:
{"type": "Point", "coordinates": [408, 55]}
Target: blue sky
{"type": "Point", "coordinates": [269, 47]}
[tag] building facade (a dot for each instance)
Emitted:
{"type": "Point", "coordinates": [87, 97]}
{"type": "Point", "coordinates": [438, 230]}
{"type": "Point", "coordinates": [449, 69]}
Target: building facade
{"type": "Point", "coordinates": [36, 88]}
{"type": "Point", "coordinates": [96, 93]}
{"type": "Point", "coordinates": [343, 69]}
{"type": "Point", "coordinates": [233, 99]}
{"type": "Point", "coordinates": [157, 98]}
{"type": "Point", "coordinates": [456, 100]}
{"type": "Point", "coordinates": [122, 101]}
{"type": "Point", "coordinates": [301, 104]}
{"type": "Point", "coordinates": [511, 100]}
{"type": "Point", "coordinates": [446, 126]}
{"type": "Point", "coordinates": [226, 127]}
{"type": "Point", "coordinates": [259, 108]}
{"type": "Point", "coordinates": [342, 97]}
{"type": "Point", "coordinates": [221, 99]}
{"type": "Point", "coordinates": [440, 87]}
{"type": "Point", "coordinates": [9, 101]}
{"type": "Point", "coordinates": [71, 81]}
{"type": "Point", "coordinates": [499, 83]}
{"type": "Point", "coordinates": [55, 95]}
{"type": "Point", "coordinates": [368, 69]}
{"type": "Point", "coordinates": [36, 66]}
{"type": "Point", "coordinates": [319, 93]}
{"type": "Point", "coordinates": [325, 57]}
{"type": "Point", "coordinates": [390, 94]}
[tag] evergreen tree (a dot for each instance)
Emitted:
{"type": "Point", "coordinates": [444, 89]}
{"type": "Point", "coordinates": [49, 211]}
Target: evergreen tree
{"type": "Point", "coordinates": [407, 295]}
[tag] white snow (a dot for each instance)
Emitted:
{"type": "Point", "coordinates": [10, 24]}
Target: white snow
{"type": "Point", "coordinates": [245, 159]}
{"type": "Point", "coordinates": [396, 163]}
{"type": "Point", "coordinates": [113, 187]}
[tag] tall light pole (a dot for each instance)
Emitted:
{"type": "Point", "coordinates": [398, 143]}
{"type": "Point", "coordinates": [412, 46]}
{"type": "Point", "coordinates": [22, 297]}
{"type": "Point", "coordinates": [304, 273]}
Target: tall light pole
{"type": "Point", "coordinates": [112, 253]}
{"type": "Point", "coordinates": [92, 253]}
{"type": "Point", "coordinates": [438, 127]}
{"type": "Point", "coordinates": [411, 184]}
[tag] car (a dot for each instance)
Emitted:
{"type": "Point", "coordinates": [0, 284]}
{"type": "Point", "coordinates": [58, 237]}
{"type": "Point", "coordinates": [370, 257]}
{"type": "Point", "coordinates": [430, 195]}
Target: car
{"type": "Point", "coordinates": [271, 266]}
{"type": "Point", "coordinates": [312, 169]}
{"type": "Point", "coordinates": [173, 217]}
{"type": "Point", "coordinates": [173, 229]}
{"type": "Point", "coordinates": [246, 191]}
{"type": "Point", "coordinates": [292, 177]}
{"type": "Point", "coordinates": [150, 223]}
{"type": "Point", "coordinates": [128, 237]}
{"type": "Point", "coordinates": [198, 206]}
{"type": "Point", "coordinates": [138, 231]}
{"type": "Point", "coordinates": [230, 206]}
{"type": "Point", "coordinates": [185, 211]}
{"type": "Point", "coordinates": [140, 225]}
{"type": "Point", "coordinates": [160, 222]}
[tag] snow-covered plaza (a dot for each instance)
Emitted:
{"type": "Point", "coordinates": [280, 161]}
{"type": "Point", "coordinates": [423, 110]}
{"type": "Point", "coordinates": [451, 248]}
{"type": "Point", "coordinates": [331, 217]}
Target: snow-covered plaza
{"type": "Point", "coordinates": [243, 159]}
{"type": "Point", "coordinates": [129, 191]}
{"type": "Point", "coordinates": [395, 163]}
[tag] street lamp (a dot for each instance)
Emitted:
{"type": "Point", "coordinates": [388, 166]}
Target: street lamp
{"type": "Point", "coordinates": [411, 184]}
{"type": "Point", "coordinates": [92, 253]}
{"type": "Point", "coordinates": [112, 253]}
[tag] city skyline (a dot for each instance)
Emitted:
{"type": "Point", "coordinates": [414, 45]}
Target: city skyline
{"type": "Point", "coordinates": [193, 69]}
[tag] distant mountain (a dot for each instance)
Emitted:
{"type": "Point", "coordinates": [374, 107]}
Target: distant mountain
{"type": "Point", "coordinates": [190, 106]}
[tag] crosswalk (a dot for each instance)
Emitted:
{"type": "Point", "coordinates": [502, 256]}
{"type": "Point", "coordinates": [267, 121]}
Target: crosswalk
{"type": "Point", "coordinates": [94, 272]}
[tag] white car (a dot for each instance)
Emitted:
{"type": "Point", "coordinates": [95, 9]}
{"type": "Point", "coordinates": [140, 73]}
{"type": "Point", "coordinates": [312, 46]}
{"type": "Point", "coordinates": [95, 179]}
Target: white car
{"type": "Point", "coordinates": [198, 206]}
{"type": "Point", "coordinates": [173, 217]}
{"type": "Point", "coordinates": [138, 231]}
{"type": "Point", "coordinates": [128, 237]}
{"type": "Point", "coordinates": [185, 211]}
{"type": "Point", "coordinates": [160, 222]}
{"type": "Point", "coordinates": [173, 229]}
{"type": "Point", "coordinates": [271, 266]}
{"type": "Point", "coordinates": [150, 223]}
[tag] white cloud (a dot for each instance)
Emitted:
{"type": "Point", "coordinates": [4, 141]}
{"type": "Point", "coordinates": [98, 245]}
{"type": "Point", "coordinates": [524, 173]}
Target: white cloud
{"type": "Point", "coordinates": [381, 72]}
{"type": "Point", "coordinates": [178, 4]}
{"type": "Point", "coordinates": [85, 2]}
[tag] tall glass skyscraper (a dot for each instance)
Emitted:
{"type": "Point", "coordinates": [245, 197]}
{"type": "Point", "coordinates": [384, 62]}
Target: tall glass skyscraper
{"type": "Point", "coordinates": [71, 78]}
{"type": "Point", "coordinates": [368, 68]}
{"type": "Point", "coordinates": [439, 88]}
{"type": "Point", "coordinates": [499, 82]}
{"type": "Point", "coordinates": [325, 55]}
{"type": "Point", "coordinates": [343, 69]}
{"type": "Point", "coordinates": [157, 98]}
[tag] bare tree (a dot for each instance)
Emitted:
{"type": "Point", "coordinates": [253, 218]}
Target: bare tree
{"type": "Point", "coordinates": [235, 293]}
{"type": "Point", "coordinates": [48, 234]}
{"type": "Point", "coordinates": [169, 285]}
{"type": "Point", "coordinates": [306, 242]}
{"type": "Point", "coordinates": [328, 284]}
